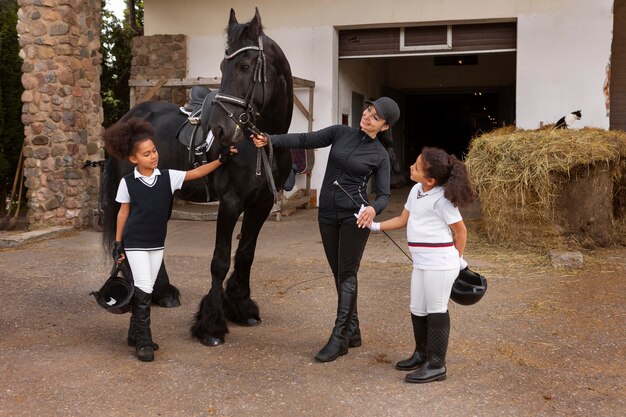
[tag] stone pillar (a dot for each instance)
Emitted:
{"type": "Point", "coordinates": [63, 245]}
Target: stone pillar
{"type": "Point", "coordinates": [62, 109]}
{"type": "Point", "coordinates": [156, 57]}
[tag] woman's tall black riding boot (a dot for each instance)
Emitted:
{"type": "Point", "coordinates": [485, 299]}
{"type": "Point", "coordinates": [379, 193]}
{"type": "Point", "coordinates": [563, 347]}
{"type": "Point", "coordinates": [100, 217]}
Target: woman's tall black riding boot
{"type": "Point", "coordinates": [354, 331]}
{"type": "Point", "coordinates": [420, 332]}
{"type": "Point", "coordinates": [438, 334]}
{"type": "Point", "coordinates": [338, 343]}
{"type": "Point", "coordinates": [144, 346]}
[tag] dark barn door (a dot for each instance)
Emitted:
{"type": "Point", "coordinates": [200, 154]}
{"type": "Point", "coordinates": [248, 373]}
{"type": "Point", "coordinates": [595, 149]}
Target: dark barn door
{"type": "Point", "coordinates": [617, 115]}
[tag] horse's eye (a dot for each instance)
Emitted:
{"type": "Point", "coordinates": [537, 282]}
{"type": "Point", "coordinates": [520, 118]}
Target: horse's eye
{"type": "Point", "coordinates": [245, 67]}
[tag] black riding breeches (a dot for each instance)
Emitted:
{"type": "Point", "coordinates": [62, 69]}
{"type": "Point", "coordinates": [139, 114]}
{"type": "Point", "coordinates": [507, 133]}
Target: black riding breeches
{"type": "Point", "coordinates": [344, 245]}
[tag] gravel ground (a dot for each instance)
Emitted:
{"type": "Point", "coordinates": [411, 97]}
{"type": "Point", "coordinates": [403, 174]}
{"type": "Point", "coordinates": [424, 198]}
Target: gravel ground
{"type": "Point", "coordinates": [542, 342]}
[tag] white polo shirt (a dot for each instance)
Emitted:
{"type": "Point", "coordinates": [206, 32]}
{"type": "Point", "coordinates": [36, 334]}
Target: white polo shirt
{"type": "Point", "coordinates": [428, 234]}
{"type": "Point", "coordinates": [176, 180]}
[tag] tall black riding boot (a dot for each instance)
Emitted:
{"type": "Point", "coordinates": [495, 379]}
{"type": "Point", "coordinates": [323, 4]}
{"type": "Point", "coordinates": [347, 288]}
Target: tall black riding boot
{"type": "Point", "coordinates": [132, 334]}
{"type": "Point", "coordinates": [338, 343]}
{"type": "Point", "coordinates": [144, 346]}
{"type": "Point", "coordinates": [354, 331]}
{"type": "Point", "coordinates": [420, 332]}
{"type": "Point", "coordinates": [438, 334]}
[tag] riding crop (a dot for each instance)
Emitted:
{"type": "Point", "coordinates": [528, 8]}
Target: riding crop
{"type": "Point", "coordinates": [358, 206]}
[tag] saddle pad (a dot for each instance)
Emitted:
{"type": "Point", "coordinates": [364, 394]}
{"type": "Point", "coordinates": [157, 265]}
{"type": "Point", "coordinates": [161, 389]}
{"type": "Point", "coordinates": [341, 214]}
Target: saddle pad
{"type": "Point", "coordinates": [298, 158]}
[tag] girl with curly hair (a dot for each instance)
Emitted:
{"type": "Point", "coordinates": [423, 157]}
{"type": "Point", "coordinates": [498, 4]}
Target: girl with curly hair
{"type": "Point", "coordinates": [145, 196]}
{"type": "Point", "coordinates": [436, 235]}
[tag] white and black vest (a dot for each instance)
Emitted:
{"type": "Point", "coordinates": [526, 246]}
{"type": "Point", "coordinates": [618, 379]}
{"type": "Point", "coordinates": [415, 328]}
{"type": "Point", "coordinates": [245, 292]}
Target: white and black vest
{"type": "Point", "coordinates": [150, 209]}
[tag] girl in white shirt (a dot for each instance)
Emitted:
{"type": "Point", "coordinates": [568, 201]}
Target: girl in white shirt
{"type": "Point", "coordinates": [145, 197]}
{"type": "Point", "coordinates": [436, 235]}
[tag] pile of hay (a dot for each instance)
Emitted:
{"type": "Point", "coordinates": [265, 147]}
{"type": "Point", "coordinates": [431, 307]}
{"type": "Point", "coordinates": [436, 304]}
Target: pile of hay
{"type": "Point", "coordinates": [519, 175]}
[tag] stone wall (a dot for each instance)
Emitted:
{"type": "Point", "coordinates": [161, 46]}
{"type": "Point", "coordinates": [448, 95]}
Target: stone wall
{"type": "Point", "coordinates": [156, 57]}
{"type": "Point", "coordinates": [62, 109]}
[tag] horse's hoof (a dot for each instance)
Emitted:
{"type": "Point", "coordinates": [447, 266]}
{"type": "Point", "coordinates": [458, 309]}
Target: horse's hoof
{"type": "Point", "coordinates": [168, 302]}
{"type": "Point", "coordinates": [212, 341]}
{"type": "Point", "coordinates": [249, 322]}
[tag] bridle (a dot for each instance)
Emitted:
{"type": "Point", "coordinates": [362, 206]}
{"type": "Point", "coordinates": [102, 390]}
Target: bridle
{"type": "Point", "coordinates": [248, 115]}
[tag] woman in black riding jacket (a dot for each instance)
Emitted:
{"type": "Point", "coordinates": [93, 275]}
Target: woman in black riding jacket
{"type": "Point", "coordinates": [345, 213]}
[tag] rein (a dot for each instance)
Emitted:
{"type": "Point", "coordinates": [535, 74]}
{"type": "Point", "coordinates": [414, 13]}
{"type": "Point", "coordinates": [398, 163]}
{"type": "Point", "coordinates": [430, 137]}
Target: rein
{"type": "Point", "coordinates": [247, 116]}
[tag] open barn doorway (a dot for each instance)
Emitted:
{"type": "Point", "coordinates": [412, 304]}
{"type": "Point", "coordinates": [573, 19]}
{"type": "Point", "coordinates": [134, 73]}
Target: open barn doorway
{"type": "Point", "coordinates": [450, 119]}
{"type": "Point", "coordinates": [452, 81]}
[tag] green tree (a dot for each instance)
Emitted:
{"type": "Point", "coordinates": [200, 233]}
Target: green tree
{"type": "Point", "coordinates": [115, 40]}
{"type": "Point", "coordinates": [115, 46]}
{"type": "Point", "coordinates": [11, 89]}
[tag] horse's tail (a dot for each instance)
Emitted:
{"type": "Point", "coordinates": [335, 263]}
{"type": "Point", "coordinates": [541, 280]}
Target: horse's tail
{"type": "Point", "coordinates": [109, 183]}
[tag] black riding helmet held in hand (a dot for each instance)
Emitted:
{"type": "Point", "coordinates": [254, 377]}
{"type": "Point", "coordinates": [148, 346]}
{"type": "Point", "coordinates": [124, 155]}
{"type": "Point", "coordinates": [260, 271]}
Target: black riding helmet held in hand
{"type": "Point", "coordinates": [468, 288]}
{"type": "Point", "coordinates": [116, 293]}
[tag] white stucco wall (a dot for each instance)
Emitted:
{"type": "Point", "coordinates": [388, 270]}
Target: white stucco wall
{"type": "Point", "coordinates": [209, 17]}
{"type": "Point", "coordinates": [302, 49]}
{"type": "Point", "coordinates": [561, 63]}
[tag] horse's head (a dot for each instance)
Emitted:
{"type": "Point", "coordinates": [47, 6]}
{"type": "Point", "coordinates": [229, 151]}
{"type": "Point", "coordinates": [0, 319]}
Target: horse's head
{"type": "Point", "coordinates": [255, 77]}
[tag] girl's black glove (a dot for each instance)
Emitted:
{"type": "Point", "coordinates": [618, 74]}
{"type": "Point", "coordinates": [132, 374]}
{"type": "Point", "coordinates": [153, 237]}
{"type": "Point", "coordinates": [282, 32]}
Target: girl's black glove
{"type": "Point", "coordinates": [226, 154]}
{"type": "Point", "coordinates": [118, 250]}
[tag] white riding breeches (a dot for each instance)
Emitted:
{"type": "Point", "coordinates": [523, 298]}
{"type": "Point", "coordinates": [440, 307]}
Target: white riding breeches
{"type": "Point", "coordinates": [145, 267]}
{"type": "Point", "coordinates": [430, 290]}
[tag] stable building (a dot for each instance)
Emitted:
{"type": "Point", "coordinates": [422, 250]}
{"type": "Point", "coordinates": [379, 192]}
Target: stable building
{"type": "Point", "coordinates": [457, 68]}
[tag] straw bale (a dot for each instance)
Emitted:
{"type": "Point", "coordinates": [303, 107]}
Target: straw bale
{"type": "Point", "coordinates": [528, 181]}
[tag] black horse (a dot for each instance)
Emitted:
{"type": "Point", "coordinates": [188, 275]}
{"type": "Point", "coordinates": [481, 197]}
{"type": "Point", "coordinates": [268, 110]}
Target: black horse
{"type": "Point", "coordinates": [256, 94]}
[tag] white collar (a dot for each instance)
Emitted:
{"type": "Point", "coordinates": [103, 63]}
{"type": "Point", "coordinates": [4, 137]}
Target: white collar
{"type": "Point", "coordinates": [420, 193]}
{"type": "Point", "coordinates": [151, 177]}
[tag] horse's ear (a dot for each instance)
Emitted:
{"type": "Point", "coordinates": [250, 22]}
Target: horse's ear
{"type": "Point", "coordinates": [255, 23]}
{"type": "Point", "coordinates": [233, 19]}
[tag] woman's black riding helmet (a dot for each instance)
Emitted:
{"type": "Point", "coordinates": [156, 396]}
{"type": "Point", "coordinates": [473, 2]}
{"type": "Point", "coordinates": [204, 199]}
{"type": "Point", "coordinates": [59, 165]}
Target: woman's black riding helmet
{"type": "Point", "coordinates": [387, 109]}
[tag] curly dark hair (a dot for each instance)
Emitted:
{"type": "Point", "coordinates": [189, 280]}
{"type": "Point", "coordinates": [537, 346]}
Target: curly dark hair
{"type": "Point", "coordinates": [121, 139]}
{"type": "Point", "coordinates": [450, 173]}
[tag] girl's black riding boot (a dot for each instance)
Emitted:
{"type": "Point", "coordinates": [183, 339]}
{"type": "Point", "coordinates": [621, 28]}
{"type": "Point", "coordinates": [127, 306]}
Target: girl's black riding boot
{"type": "Point", "coordinates": [438, 334]}
{"type": "Point", "coordinates": [420, 332]}
{"type": "Point", "coordinates": [144, 346]}
{"type": "Point", "coordinates": [132, 334]}
{"type": "Point", "coordinates": [338, 343]}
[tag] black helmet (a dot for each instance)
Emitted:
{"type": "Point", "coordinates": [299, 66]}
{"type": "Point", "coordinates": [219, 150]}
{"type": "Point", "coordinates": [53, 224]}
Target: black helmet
{"type": "Point", "coordinates": [115, 294]}
{"type": "Point", "coordinates": [469, 287]}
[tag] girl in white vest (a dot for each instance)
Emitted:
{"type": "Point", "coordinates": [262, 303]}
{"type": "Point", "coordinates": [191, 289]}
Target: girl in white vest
{"type": "Point", "coordinates": [436, 235]}
{"type": "Point", "coordinates": [145, 196]}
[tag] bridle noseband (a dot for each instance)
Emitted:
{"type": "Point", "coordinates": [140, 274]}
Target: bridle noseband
{"type": "Point", "coordinates": [247, 117]}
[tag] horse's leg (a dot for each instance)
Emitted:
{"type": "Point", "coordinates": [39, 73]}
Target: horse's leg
{"type": "Point", "coordinates": [210, 323]}
{"type": "Point", "coordinates": [164, 293]}
{"type": "Point", "coordinates": [238, 306]}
